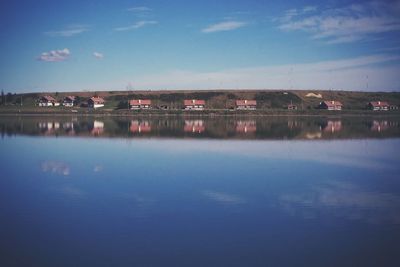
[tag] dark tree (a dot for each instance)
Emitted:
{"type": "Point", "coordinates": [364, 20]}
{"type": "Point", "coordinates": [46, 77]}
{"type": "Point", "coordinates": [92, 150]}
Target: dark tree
{"type": "Point", "coordinates": [3, 98]}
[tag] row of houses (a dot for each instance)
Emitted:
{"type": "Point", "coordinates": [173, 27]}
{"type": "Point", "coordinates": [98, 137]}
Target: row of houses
{"type": "Point", "coordinates": [69, 101]}
{"type": "Point", "coordinates": [198, 104]}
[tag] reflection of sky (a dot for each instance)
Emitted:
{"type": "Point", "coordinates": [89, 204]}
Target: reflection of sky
{"type": "Point", "coordinates": [169, 195]}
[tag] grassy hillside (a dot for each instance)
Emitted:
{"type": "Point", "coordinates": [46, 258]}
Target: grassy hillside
{"type": "Point", "coordinates": [216, 99]}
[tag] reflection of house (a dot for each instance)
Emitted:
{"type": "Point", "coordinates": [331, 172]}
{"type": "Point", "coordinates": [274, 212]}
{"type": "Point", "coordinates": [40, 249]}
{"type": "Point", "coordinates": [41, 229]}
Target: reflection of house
{"type": "Point", "coordinates": [96, 102]}
{"type": "Point", "coordinates": [378, 126]}
{"type": "Point", "coordinates": [194, 126]}
{"type": "Point", "coordinates": [98, 128]}
{"type": "Point", "coordinates": [194, 104]}
{"type": "Point", "coordinates": [246, 126]}
{"type": "Point", "coordinates": [291, 107]}
{"type": "Point", "coordinates": [69, 101]}
{"type": "Point", "coordinates": [140, 104]}
{"type": "Point", "coordinates": [331, 105]}
{"type": "Point", "coordinates": [140, 127]}
{"type": "Point", "coordinates": [378, 105]}
{"type": "Point", "coordinates": [246, 104]}
{"type": "Point", "coordinates": [48, 101]}
{"type": "Point", "coordinates": [332, 126]}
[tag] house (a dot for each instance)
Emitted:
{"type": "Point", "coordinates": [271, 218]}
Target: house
{"type": "Point", "coordinates": [246, 104]}
{"type": "Point", "coordinates": [248, 126]}
{"type": "Point", "coordinates": [194, 104]}
{"type": "Point", "coordinates": [331, 105]}
{"type": "Point", "coordinates": [69, 101]}
{"type": "Point", "coordinates": [48, 101]}
{"type": "Point", "coordinates": [378, 105]}
{"type": "Point", "coordinates": [140, 126]}
{"type": "Point", "coordinates": [96, 102]}
{"type": "Point", "coordinates": [291, 107]}
{"type": "Point", "coordinates": [393, 107]}
{"type": "Point", "coordinates": [140, 104]}
{"type": "Point", "coordinates": [194, 126]}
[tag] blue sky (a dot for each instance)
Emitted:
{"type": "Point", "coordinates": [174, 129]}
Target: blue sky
{"type": "Point", "coordinates": [117, 45]}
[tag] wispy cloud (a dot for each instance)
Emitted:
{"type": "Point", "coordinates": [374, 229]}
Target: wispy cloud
{"type": "Point", "coordinates": [224, 26]}
{"type": "Point", "coordinates": [137, 25]}
{"type": "Point", "coordinates": [140, 9]}
{"type": "Point", "coordinates": [55, 55]}
{"type": "Point", "coordinates": [345, 200]}
{"type": "Point", "coordinates": [343, 25]}
{"type": "Point", "coordinates": [69, 31]}
{"type": "Point", "coordinates": [223, 198]}
{"type": "Point", "coordinates": [98, 55]}
{"type": "Point", "coordinates": [316, 75]}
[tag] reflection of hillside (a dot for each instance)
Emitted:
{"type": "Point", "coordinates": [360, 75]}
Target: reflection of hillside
{"type": "Point", "coordinates": [218, 127]}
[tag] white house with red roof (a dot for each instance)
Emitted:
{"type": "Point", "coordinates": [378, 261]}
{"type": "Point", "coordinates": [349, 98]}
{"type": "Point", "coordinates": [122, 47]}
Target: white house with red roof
{"type": "Point", "coordinates": [378, 105]}
{"type": "Point", "coordinates": [96, 102]}
{"type": "Point", "coordinates": [69, 101]}
{"type": "Point", "coordinates": [140, 104]}
{"type": "Point", "coordinates": [194, 104]}
{"type": "Point", "coordinates": [48, 101]}
{"type": "Point", "coordinates": [246, 104]}
{"type": "Point", "coordinates": [331, 105]}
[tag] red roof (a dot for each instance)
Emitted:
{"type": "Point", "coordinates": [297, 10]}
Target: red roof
{"type": "Point", "coordinates": [70, 97]}
{"type": "Point", "coordinates": [332, 103]}
{"type": "Point", "coordinates": [97, 99]}
{"type": "Point", "coordinates": [49, 98]}
{"type": "Point", "coordinates": [192, 102]}
{"type": "Point", "coordinates": [246, 103]}
{"type": "Point", "coordinates": [138, 102]}
{"type": "Point", "coordinates": [379, 103]}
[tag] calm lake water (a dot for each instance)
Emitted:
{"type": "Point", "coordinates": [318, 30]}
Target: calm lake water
{"type": "Point", "coordinates": [275, 191]}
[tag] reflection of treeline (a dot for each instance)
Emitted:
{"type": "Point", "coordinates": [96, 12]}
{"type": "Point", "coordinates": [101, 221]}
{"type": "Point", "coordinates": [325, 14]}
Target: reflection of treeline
{"type": "Point", "coordinates": [219, 127]}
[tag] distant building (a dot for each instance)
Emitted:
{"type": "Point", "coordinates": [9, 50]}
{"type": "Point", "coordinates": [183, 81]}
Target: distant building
{"type": "Point", "coordinates": [194, 104]}
{"type": "Point", "coordinates": [246, 104]}
{"type": "Point", "coordinates": [291, 107]}
{"type": "Point", "coordinates": [393, 107]}
{"type": "Point", "coordinates": [96, 102]}
{"type": "Point", "coordinates": [331, 105]}
{"type": "Point", "coordinates": [69, 101]}
{"type": "Point", "coordinates": [378, 105]}
{"type": "Point", "coordinates": [140, 104]}
{"type": "Point", "coordinates": [48, 101]}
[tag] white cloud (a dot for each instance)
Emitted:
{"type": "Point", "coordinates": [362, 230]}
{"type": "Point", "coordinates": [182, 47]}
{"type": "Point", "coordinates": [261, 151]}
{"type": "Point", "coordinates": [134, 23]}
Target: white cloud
{"type": "Point", "coordinates": [69, 31]}
{"type": "Point", "coordinates": [344, 25]}
{"type": "Point", "coordinates": [344, 74]}
{"type": "Point", "coordinates": [224, 26]}
{"type": "Point", "coordinates": [98, 55]}
{"type": "Point", "coordinates": [137, 25]}
{"type": "Point", "coordinates": [55, 55]}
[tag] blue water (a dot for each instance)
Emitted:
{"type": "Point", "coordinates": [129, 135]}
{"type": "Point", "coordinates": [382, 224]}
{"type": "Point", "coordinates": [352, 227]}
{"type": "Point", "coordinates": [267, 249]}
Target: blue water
{"type": "Point", "coordinates": [76, 201]}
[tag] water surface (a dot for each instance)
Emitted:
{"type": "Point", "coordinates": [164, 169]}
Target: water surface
{"type": "Point", "coordinates": [217, 196]}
